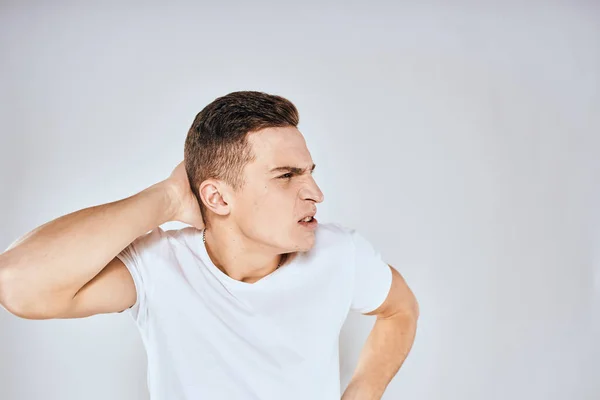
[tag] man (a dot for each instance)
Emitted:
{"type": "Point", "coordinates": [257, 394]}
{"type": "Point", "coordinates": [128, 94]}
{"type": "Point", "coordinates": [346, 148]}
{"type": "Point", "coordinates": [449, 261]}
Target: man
{"type": "Point", "coordinates": [248, 301]}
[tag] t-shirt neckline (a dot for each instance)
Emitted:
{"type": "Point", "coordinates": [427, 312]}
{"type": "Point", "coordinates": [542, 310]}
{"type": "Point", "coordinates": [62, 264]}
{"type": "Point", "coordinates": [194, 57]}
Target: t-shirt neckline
{"type": "Point", "coordinates": [223, 277]}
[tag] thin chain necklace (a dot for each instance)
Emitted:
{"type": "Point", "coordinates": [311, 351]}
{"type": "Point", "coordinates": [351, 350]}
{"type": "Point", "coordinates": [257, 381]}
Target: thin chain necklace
{"type": "Point", "coordinates": [204, 241]}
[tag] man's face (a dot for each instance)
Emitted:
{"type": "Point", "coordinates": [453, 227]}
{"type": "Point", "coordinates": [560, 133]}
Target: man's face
{"type": "Point", "coordinates": [272, 201]}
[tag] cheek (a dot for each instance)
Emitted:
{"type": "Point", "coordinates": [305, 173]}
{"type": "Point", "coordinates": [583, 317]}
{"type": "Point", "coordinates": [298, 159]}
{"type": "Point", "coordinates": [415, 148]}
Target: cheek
{"type": "Point", "coordinates": [273, 203]}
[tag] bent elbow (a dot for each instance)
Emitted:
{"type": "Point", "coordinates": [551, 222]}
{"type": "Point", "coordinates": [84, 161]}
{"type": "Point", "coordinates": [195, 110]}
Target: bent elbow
{"type": "Point", "coordinates": [17, 303]}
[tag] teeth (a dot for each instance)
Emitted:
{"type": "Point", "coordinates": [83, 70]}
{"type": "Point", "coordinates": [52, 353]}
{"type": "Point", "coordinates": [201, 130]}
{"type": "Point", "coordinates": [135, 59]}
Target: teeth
{"type": "Point", "coordinates": [307, 219]}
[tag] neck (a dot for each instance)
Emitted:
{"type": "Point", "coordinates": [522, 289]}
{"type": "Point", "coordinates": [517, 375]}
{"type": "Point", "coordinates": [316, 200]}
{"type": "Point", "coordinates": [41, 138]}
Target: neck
{"type": "Point", "coordinates": [238, 256]}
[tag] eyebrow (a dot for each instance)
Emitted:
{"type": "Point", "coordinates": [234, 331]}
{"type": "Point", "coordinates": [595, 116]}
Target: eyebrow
{"type": "Point", "coordinates": [294, 170]}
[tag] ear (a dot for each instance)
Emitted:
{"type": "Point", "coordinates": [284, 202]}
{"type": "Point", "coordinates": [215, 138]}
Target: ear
{"type": "Point", "coordinates": [214, 196]}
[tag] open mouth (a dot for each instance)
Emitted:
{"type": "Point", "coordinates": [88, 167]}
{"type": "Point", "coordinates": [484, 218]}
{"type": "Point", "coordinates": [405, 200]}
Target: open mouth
{"type": "Point", "coordinates": [308, 223]}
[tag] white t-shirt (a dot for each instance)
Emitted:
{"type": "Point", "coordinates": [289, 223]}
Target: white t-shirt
{"type": "Point", "coordinates": [209, 336]}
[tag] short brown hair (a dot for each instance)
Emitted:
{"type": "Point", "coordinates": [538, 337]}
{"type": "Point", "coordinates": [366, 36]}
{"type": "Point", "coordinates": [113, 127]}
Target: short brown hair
{"type": "Point", "coordinates": [216, 145]}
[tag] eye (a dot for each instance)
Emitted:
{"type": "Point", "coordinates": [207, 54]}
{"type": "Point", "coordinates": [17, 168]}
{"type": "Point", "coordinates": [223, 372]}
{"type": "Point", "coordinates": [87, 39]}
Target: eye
{"type": "Point", "coordinates": [286, 176]}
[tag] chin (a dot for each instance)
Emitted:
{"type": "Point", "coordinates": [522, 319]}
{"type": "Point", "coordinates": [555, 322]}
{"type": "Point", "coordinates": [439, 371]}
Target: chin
{"type": "Point", "coordinates": [301, 241]}
{"type": "Point", "coordinates": [306, 244]}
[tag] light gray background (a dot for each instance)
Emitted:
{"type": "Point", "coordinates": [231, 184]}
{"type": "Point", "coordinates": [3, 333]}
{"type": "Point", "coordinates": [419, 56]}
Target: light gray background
{"type": "Point", "coordinates": [463, 140]}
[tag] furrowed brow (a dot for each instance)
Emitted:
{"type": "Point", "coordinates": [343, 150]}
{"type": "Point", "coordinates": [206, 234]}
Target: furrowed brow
{"type": "Point", "coordinates": [294, 170]}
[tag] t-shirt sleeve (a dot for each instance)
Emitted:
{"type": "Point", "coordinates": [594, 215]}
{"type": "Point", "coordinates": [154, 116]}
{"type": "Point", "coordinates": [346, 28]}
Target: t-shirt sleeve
{"type": "Point", "coordinates": [372, 276]}
{"type": "Point", "coordinates": [134, 257]}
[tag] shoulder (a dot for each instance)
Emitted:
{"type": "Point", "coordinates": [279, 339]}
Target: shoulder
{"type": "Point", "coordinates": [334, 234]}
{"type": "Point", "coordinates": [335, 230]}
{"type": "Point", "coordinates": [343, 237]}
{"type": "Point", "coordinates": [182, 233]}
{"type": "Point", "coordinates": [188, 237]}
{"type": "Point", "coordinates": [158, 237]}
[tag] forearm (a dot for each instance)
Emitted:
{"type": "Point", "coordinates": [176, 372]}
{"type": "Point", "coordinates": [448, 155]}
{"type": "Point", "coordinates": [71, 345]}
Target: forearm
{"type": "Point", "coordinates": [58, 258]}
{"type": "Point", "coordinates": [382, 356]}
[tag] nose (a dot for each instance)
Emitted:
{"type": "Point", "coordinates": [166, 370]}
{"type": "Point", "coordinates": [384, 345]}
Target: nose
{"type": "Point", "coordinates": [311, 191]}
